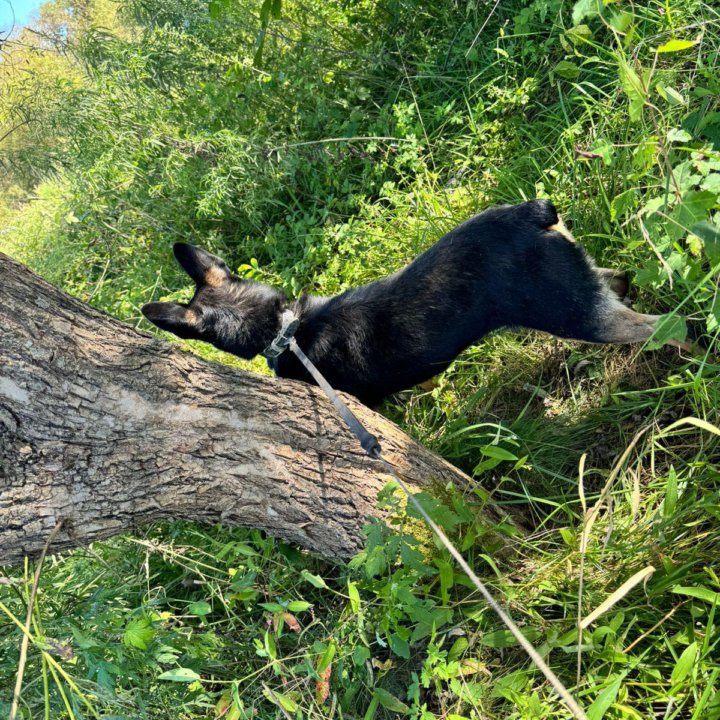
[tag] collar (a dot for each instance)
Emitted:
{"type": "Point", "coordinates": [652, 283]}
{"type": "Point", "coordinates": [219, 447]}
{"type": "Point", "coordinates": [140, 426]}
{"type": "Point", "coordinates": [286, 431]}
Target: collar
{"type": "Point", "coordinates": [288, 325]}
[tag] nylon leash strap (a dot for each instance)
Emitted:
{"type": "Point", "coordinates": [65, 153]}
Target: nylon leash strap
{"type": "Point", "coordinates": [368, 441]}
{"type": "Point", "coordinates": [371, 446]}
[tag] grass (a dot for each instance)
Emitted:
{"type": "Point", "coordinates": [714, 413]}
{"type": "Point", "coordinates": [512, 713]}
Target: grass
{"type": "Point", "coordinates": [166, 126]}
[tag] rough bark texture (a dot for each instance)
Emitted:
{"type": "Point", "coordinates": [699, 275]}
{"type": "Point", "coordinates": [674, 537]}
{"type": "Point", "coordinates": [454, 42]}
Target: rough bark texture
{"type": "Point", "coordinates": [107, 428]}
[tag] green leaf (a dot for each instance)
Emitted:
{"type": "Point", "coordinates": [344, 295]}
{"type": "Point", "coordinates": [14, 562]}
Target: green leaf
{"type": "Point", "coordinates": [713, 315]}
{"type": "Point", "coordinates": [622, 204]}
{"type": "Point", "coordinates": [684, 664]}
{"type": "Point", "coordinates": [604, 700]}
{"type": "Point", "coordinates": [712, 183]}
{"type": "Point", "coordinates": [685, 177]}
{"type": "Point", "coordinates": [314, 580]}
{"type": "Point", "coordinates": [376, 562]}
{"type": "Point", "coordinates": [678, 135]}
{"type": "Point", "coordinates": [584, 9]}
{"type": "Point", "coordinates": [579, 34]}
{"type": "Point", "coordinates": [270, 646]}
{"type": "Point", "coordinates": [504, 638]}
{"type": "Point", "coordinates": [327, 658]}
{"type": "Point", "coordinates": [272, 607]}
{"type": "Point", "coordinates": [84, 642]}
{"type": "Point", "coordinates": [360, 655]}
{"type": "Point", "coordinates": [692, 210]}
{"type": "Point", "coordinates": [458, 648]}
{"type": "Point", "coordinates": [495, 451]}
{"type": "Point", "coordinates": [644, 156]}
{"type": "Point", "coordinates": [671, 493]}
{"type": "Point", "coordinates": [676, 46]}
{"type": "Point", "coordinates": [354, 597]}
{"type": "Point", "coordinates": [699, 593]}
{"type": "Point", "coordinates": [243, 549]}
{"type": "Point", "coordinates": [259, 47]}
{"type": "Point", "coordinates": [390, 702]}
{"type": "Point", "coordinates": [620, 20]}
{"type": "Point", "coordinates": [670, 94]}
{"type": "Point", "coordinates": [185, 675]}
{"type": "Point", "coordinates": [199, 608]}
{"type": "Point", "coordinates": [440, 513]}
{"type": "Point", "coordinates": [605, 150]}
{"type": "Point", "coordinates": [265, 10]}
{"type": "Point", "coordinates": [669, 327]}
{"type": "Point", "coordinates": [710, 235]}
{"type": "Point", "coordinates": [280, 699]}
{"type": "Point", "coordinates": [139, 633]}
{"type": "Point", "coordinates": [633, 87]}
{"type": "Point", "coordinates": [299, 606]}
{"type": "Point", "coordinates": [566, 69]}
{"type": "Point", "coordinates": [399, 646]}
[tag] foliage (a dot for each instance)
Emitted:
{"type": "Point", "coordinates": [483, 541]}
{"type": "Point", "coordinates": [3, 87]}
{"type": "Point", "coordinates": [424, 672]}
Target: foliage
{"type": "Point", "coordinates": [321, 145]}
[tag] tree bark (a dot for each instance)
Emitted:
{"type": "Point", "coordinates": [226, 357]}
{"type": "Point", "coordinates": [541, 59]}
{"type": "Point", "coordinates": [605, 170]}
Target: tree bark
{"type": "Point", "coordinates": [107, 428]}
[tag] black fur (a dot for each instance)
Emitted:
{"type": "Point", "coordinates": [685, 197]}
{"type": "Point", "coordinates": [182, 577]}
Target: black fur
{"type": "Point", "coordinates": [505, 267]}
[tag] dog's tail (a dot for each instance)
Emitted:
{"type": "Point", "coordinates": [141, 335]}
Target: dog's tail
{"type": "Point", "coordinates": [541, 213]}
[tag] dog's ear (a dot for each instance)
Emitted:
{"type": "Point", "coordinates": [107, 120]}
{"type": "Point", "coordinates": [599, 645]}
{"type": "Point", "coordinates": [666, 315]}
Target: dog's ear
{"type": "Point", "coordinates": [203, 267]}
{"type": "Point", "coordinates": [173, 317]}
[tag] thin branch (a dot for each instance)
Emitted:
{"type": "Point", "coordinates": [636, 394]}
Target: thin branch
{"type": "Point", "coordinates": [17, 127]}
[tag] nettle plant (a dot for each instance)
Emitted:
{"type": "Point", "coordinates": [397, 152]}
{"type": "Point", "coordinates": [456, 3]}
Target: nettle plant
{"type": "Point", "coordinates": [667, 163]}
{"type": "Point", "coordinates": [686, 237]}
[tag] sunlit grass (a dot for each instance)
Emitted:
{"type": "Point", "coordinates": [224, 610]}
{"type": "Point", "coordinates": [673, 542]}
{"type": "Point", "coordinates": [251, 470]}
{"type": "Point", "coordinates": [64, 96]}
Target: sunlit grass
{"type": "Point", "coordinates": [180, 138]}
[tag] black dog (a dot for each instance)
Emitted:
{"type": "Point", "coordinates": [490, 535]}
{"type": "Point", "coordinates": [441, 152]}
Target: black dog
{"type": "Point", "coordinates": [510, 266]}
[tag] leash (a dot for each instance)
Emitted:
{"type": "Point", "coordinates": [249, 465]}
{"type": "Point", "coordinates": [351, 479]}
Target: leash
{"type": "Point", "coordinates": [370, 444]}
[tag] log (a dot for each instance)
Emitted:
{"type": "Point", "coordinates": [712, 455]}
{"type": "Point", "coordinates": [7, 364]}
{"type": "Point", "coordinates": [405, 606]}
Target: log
{"type": "Point", "coordinates": [106, 428]}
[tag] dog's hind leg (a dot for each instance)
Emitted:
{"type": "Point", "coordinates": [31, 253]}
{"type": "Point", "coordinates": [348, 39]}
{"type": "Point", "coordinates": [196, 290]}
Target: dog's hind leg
{"type": "Point", "coordinates": [617, 323]}
{"type": "Point", "coordinates": [616, 280]}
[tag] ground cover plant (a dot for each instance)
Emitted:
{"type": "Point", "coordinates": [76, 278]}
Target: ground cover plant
{"type": "Point", "coordinates": [318, 146]}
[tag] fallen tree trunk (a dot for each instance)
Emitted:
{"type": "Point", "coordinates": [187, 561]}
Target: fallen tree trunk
{"type": "Point", "coordinates": [105, 428]}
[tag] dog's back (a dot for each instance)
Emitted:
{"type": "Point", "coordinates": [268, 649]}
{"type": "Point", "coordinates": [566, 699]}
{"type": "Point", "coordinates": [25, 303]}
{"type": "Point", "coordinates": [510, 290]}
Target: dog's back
{"type": "Point", "coordinates": [513, 265]}
{"type": "Point", "coordinates": [508, 266]}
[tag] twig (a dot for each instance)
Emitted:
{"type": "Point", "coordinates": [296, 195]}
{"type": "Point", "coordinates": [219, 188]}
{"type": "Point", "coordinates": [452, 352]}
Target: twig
{"type": "Point", "coordinates": [483, 26]}
{"type": "Point", "coordinates": [13, 129]}
{"type": "Point", "coordinates": [658, 254]}
{"type": "Point", "coordinates": [28, 619]}
{"type": "Point", "coordinates": [667, 616]}
{"type": "Point", "coordinates": [583, 550]}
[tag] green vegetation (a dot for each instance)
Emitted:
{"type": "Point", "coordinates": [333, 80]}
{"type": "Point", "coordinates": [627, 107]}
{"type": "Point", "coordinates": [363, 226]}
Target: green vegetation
{"type": "Point", "coordinates": [320, 145]}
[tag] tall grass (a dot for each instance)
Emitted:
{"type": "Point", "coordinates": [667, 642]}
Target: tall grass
{"type": "Point", "coordinates": [356, 138]}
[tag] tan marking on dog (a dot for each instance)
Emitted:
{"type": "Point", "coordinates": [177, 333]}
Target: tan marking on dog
{"type": "Point", "coordinates": [623, 325]}
{"type": "Point", "coordinates": [190, 316]}
{"type": "Point", "coordinates": [214, 277]}
{"type": "Point", "coordinates": [560, 227]}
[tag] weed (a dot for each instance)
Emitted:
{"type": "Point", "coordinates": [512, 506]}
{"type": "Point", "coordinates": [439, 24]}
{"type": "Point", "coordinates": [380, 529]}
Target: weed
{"type": "Point", "coordinates": [319, 146]}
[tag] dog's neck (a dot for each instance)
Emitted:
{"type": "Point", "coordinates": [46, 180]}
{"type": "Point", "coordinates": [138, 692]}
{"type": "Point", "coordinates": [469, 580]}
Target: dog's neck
{"type": "Point", "coordinates": [302, 311]}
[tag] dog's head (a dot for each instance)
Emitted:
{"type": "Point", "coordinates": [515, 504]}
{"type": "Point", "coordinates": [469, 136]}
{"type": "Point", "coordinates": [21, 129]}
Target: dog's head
{"type": "Point", "coordinates": [239, 316]}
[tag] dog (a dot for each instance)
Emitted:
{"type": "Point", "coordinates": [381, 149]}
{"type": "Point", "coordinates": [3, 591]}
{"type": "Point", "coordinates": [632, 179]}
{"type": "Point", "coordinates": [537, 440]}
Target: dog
{"type": "Point", "coordinates": [509, 266]}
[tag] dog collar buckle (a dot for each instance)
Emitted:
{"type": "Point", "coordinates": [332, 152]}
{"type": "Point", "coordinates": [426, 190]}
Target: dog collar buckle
{"type": "Point", "coordinates": [289, 324]}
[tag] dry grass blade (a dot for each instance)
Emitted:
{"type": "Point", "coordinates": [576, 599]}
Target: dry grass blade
{"type": "Point", "coordinates": [570, 702]}
{"type": "Point", "coordinates": [583, 548]}
{"type": "Point", "coordinates": [618, 595]}
{"type": "Point", "coordinates": [26, 635]}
